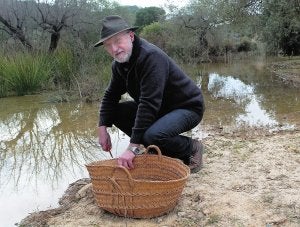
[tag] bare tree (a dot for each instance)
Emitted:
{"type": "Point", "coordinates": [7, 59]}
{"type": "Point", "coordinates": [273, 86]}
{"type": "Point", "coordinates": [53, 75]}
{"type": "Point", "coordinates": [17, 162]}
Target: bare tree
{"type": "Point", "coordinates": [201, 24]}
{"type": "Point", "coordinates": [54, 17]}
{"type": "Point", "coordinates": [32, 21]}
{"type": "Point", "coordinates": [13, 19]}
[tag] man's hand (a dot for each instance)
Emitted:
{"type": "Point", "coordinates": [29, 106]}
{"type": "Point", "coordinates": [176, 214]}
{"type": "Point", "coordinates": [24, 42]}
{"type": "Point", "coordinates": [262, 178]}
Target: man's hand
{"type": "Point", "coordinates": [126, 159]}
{"type": "Point", "coordinates": [104, 138]}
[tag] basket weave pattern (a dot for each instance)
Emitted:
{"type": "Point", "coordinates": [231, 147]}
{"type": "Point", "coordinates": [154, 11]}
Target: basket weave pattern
{"type": "Point", "coordinates": [151, 189]}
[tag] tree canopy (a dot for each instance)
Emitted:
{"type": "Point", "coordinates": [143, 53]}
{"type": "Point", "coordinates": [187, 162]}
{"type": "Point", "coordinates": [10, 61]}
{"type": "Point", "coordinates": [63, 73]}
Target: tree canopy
{"type": "Point", "coordinates": [212, 27]}
{"type": "Point", "coordinates": [148, 15]}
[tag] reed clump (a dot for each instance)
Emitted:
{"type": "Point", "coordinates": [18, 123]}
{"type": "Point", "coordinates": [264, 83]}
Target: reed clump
{"type": "Point", "coordinates": [23, 73]}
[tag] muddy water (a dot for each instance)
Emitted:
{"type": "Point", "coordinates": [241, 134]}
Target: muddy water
{"type": "Point", "coordinates": [243, 95]}
{"type": "Point", "coordinates": [44, 146]}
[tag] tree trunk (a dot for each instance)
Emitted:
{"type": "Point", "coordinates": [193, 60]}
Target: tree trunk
{"type": "Point", "coordinates": [55, 36]}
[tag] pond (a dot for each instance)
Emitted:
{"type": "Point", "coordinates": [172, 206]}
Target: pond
{"type": "Point", "coordinates": [44, 146]}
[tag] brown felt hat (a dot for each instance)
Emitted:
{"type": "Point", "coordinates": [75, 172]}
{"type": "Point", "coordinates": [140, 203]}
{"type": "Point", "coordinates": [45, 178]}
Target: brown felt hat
{"type": "Point", "coordinates": [112, 25]}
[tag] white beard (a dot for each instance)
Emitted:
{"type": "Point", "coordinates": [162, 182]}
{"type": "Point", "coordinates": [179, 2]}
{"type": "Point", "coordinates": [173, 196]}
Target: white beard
{"type": "Point", "coordinates": [124, 57]}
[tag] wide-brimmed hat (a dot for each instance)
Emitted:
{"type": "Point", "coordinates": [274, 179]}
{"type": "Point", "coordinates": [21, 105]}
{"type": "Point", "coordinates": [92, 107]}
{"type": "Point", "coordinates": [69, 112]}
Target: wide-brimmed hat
{"type": "Point", "coordinates": [112, 25]}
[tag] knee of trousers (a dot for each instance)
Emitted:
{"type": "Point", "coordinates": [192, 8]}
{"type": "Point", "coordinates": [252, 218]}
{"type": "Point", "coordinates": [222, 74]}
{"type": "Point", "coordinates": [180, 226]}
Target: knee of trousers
{"type": "Point", "coordinates": [154, 138]}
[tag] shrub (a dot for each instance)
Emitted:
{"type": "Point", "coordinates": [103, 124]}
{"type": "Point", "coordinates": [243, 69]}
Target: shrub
{"type": "Point", "coordinates": [155, 34]}
{"type": "Point", "coordinates": [246, 45]}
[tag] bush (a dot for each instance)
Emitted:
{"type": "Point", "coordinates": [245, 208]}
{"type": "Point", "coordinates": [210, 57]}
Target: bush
{"type": "Point", "coordinates": [154, 33]}
{"type": "Point", "coordinates": [246, 45]}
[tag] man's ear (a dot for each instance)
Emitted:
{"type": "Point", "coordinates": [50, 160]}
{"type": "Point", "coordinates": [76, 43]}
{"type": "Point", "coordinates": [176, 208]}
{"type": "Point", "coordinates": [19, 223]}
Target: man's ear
{"type": "Point", "coordinates": [131, 34]}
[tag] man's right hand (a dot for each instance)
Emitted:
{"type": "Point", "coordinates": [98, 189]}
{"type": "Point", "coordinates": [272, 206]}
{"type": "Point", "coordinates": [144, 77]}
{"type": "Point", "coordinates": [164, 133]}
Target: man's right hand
{"type": "Point", "coordinates": [104, 138]}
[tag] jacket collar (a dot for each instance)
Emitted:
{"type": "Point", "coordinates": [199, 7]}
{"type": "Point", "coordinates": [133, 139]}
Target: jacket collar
{"type": "Point", "coordinates": [135, 49]}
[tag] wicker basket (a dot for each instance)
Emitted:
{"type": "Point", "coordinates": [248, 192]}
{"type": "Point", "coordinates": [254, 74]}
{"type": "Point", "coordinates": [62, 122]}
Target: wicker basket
{"type": "Point", "coordinates": [151, 189]}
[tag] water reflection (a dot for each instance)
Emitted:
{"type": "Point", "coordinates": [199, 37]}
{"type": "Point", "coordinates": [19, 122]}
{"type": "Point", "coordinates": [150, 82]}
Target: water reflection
{"type": "Point", "coordinates": [39, 140]}
{"type": "Point", "coordinates": [228, 87]}
{"type": "Point", "coordinates": [244, 95]}
{"type": "Point", "coordinates": [43, 148]}
{"type": "Point", "coordinates": [256, 116]}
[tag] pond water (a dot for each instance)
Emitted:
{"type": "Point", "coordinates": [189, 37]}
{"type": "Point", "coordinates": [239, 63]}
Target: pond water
{"type": "Point", "coordinates": [44, 146]}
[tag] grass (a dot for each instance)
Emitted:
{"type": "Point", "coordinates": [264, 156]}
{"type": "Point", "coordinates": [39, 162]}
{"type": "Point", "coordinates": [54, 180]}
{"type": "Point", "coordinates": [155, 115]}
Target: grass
{"type": "Point", "coordinates": [84, 75]}
{"type": "Point", "coordinates": [64, 67]}
{"type": "Point", "coordinates": [23, 73]}
{"type": "Point", "coordinates": [3, 86]}
{"type": "Point", "coordinates": [213, 219]}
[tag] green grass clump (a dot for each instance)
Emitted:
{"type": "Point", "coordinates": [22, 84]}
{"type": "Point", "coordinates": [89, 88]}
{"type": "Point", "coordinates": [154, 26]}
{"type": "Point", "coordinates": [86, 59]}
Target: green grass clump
{"type": "Point", "coordinates": [24, 73]}
{"type": "Point", "coordinates": [65, 66]}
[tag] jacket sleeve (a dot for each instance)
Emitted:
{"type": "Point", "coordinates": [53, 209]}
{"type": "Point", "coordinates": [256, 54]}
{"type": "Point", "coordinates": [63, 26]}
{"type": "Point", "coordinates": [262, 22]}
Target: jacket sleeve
{"type": "Point", "coordinates": [153, 71]}
{"type": "Point", "coordinates": [111, 98]}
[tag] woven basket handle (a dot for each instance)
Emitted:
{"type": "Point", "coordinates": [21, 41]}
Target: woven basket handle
{"type": "Point", "coordinates": [125, 170]}
{"type": "Point", "coordinates": [156, 148]}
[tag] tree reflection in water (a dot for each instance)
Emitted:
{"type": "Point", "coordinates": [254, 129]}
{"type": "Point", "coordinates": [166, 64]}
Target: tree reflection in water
{"type": "Point", "coordinates": [43, 148]}
{"type": "Point", "coordinates": [47, 140]}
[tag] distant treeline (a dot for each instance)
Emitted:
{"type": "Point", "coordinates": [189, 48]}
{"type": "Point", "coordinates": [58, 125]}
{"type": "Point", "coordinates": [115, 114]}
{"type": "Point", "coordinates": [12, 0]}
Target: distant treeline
{"type": "Point", "coordinates": [61, 34]}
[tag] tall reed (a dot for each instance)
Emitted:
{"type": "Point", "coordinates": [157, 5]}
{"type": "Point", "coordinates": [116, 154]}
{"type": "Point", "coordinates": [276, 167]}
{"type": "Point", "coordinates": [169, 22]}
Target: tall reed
{"type": "Point", "coordinates": [65, 66]}
{"type": "Point", "coordinates": [3, 86]}
{"type": "Point", "coordinates": [24, 73]}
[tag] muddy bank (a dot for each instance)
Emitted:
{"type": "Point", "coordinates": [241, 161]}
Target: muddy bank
{"type": "Point", "coordinates": [250, 178]}
{"type": "Point", "coordinates": [288, 71]}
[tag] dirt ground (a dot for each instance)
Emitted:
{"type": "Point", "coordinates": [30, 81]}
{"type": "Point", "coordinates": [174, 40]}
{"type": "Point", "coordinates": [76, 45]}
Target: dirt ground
{"type": "Point", "coordinates": [250, 177]}
{"type": "Point", "coordinates": [288, 71]}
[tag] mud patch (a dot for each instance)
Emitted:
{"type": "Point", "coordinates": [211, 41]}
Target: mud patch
{"type": "Point", "coordinates": [288, 71]}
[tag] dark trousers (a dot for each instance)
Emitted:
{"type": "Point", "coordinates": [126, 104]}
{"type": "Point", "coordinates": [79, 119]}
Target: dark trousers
{"type": "Point", "coordinates": [164, 132]}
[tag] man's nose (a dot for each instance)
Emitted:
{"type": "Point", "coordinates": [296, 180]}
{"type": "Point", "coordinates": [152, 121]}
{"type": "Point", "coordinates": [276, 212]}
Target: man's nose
{"type": "Point", "coordinates": [114, 47]}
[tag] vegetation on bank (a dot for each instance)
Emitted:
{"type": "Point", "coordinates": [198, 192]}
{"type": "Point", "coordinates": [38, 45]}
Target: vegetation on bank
{"type": "Point", "coordinates": [48, 45]}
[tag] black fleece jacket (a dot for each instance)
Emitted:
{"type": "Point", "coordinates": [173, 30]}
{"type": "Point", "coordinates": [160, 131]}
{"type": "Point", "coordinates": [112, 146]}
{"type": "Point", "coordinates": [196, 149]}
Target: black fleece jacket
{"type": "Point", "coordinates": [155, 83]}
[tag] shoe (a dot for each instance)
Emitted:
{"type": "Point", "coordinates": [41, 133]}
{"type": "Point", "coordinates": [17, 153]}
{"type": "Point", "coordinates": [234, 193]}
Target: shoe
{"type": "Point", "coordinates": [196, 161]}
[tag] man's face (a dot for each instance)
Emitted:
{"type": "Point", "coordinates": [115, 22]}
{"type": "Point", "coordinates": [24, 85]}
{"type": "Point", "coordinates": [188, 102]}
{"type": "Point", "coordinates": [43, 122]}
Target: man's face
{"type": "Point", "coordinates": [120, 46]}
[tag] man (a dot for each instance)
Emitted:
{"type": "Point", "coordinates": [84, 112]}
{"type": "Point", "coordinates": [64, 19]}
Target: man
{"type": "Point", "coordinates": [166, 102]}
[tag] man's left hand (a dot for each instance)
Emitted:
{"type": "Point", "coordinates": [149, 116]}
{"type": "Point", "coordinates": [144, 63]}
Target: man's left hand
{"type": "Point", "coordinates": [126, 159]}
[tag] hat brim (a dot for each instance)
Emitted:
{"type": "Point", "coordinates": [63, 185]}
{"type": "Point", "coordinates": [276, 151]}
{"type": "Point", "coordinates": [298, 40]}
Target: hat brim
{"type": "Point", "coordinates": [100, 42]}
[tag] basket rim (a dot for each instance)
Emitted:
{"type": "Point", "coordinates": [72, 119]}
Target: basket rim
{"type": "Point", "coordinates": [105, 164]}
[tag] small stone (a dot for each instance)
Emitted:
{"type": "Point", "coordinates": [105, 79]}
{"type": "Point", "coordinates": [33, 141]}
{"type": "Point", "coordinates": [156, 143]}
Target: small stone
{"type": "Point", "coordinates": [206, 211]}
{"type": "Point", "coordinates": [83, 191]}
{"type": "Point", "coordinates": [159, 220]}
{"type": "Point", "coordinates": [181, 214]}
